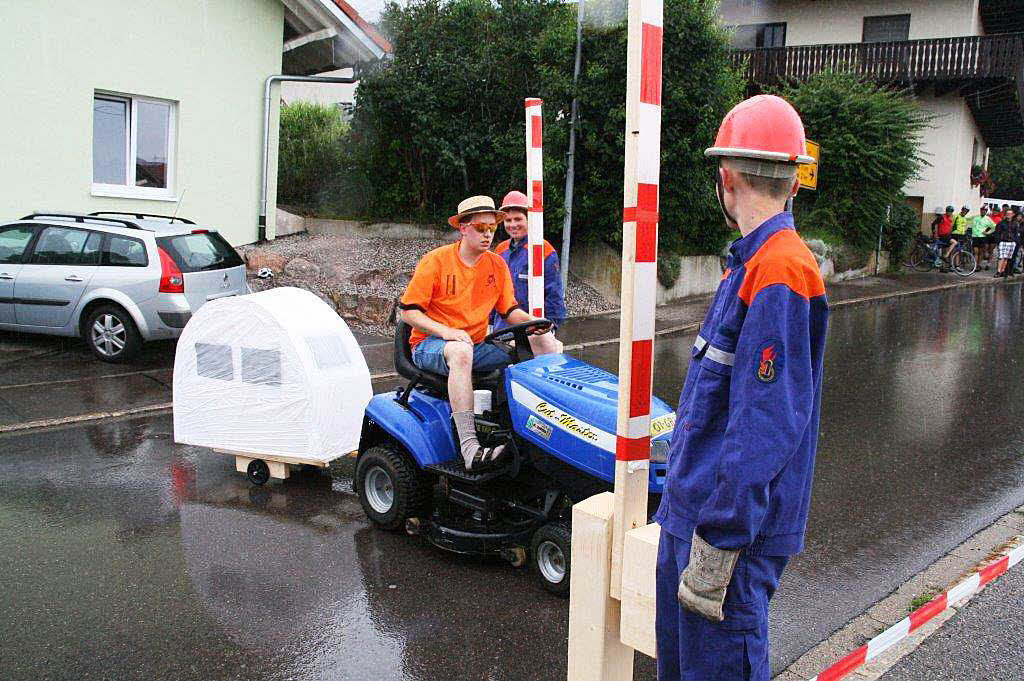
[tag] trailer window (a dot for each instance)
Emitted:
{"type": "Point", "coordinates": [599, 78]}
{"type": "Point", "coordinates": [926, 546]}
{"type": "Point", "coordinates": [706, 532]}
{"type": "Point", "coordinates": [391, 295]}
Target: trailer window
{"type": "Point", "coordinates": [328, 352]}
{"type": "Point", "coordinates": [261, 366]}
{"type": "Point", "coordinates": [214, 361]}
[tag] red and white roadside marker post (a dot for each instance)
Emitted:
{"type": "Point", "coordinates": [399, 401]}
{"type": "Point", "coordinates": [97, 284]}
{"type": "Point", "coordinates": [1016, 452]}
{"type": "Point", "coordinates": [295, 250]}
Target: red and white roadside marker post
{"type": "Point", "coordinates": [614, 550]}
{"type": "Point", "coordinates": [535, 196]}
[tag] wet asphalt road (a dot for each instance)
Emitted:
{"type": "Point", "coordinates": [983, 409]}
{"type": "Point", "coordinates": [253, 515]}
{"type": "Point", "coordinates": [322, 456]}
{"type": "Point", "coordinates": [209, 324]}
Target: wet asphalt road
{"type": "Point", "coordinates": [131, 557]}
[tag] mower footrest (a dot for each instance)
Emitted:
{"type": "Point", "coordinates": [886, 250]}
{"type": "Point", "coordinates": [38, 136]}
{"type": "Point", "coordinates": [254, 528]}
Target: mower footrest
{"type": "Point", "coordinates": [455, 470]}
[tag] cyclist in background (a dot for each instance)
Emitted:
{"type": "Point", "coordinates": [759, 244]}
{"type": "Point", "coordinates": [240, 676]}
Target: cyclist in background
{"type": "Point", "coordinates": [982, 230]}
{"type": "Point", "coordinates": [1007, 235]}
{"type": "Point", "coordinates": [942, 229]}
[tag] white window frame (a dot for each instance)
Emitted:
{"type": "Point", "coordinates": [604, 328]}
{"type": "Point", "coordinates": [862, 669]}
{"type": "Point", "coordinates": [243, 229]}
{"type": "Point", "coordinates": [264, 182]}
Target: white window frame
{"type": "Point", "coordinates": [129, 190]}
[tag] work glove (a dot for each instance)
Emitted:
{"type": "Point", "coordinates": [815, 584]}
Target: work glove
{"type": "Point", "coordinates": [703, 582]}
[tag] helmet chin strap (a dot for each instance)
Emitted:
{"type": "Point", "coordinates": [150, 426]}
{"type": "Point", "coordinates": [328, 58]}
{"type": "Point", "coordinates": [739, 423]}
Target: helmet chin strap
{"type": "Point", "coordinates": [720, 193]}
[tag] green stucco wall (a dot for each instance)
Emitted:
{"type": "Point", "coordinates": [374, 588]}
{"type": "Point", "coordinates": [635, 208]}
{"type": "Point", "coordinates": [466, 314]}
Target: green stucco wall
{"type": "Point", "coordinates": [210, 56]}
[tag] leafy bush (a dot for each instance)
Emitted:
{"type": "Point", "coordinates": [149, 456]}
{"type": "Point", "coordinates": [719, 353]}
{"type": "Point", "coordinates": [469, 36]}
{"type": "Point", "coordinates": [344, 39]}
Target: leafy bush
{"type": "Point", "coordinates": [444, 118]}
{"type": "Point", "coordinates": [904, 225]}
{"type": "Point", "coordinates": [1006, 169]}
{"type": "Point", "coordinates": [868, 136]}
{"type": "Point", "coordinates": [311, 152]}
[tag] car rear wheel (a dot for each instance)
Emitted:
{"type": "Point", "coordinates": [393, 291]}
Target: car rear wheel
{"type": "Point", "coordinates": [111, 334]}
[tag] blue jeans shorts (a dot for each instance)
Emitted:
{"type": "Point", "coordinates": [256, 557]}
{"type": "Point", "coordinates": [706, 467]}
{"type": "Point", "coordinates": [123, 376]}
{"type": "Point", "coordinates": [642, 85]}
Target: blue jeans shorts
{"type": "Point", "coordinates": [429, 355]}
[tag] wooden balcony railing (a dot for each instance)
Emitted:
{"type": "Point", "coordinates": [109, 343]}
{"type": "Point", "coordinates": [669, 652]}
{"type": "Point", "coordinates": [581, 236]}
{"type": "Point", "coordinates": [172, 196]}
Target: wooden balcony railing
{"type": "Point", "coordinates": [906, 61]}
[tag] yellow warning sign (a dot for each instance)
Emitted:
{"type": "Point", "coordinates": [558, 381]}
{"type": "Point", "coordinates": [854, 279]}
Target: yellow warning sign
{"type": "Point", "coordinates": [808, 172]}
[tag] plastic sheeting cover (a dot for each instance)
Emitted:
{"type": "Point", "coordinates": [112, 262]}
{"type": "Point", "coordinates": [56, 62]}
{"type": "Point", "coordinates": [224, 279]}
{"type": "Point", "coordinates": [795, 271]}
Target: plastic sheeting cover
{"type": "Point", "coordinates": [273, 373]}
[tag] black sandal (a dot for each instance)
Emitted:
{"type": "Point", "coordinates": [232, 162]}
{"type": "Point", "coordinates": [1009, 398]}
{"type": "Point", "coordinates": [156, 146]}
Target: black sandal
{"type": "Point", "coordinates": [480, 464]}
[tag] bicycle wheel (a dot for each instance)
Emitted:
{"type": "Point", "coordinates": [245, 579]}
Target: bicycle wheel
{"type": "Point", "coordinates": [920, 259]}
{"type": "Point", "coordinates": [964, 263]}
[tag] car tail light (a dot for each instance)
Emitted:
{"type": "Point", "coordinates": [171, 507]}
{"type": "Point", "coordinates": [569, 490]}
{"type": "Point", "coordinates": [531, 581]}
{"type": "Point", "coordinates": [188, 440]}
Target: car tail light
{"type": "Point", "coordinates": [171, 279]}
{"type": "Point", "coordinates": [200, 231]}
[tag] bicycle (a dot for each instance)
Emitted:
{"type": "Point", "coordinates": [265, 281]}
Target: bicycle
{"type": "Point", "coordinates": [926, 255]}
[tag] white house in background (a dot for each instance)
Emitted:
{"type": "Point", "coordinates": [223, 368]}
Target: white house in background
{"type": "Point", "coordinates": [156, 107]}
{"type": "Point", "coordinates": [964, 59]}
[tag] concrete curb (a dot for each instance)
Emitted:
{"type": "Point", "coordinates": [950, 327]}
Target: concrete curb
{"type": "Point", "coordinates": [964, 561]}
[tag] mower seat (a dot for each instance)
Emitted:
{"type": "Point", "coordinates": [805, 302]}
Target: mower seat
{"type": "Point", "coordinates": [405, 367]}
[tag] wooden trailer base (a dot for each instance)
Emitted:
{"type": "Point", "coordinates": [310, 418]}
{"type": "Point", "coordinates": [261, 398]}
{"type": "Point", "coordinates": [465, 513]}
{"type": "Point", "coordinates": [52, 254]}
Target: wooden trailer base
{"type": "Point", "coordinates": [280, 466]}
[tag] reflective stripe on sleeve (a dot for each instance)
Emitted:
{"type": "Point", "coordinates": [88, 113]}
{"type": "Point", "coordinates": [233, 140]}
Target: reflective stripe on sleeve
{"type": "Point", "coordinates": [715, 354]}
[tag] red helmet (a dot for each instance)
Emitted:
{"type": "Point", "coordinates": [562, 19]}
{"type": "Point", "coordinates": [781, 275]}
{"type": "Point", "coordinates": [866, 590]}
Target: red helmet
{"type": "Point", "coordinates": [766, 128]}
{"type": "Point", "coordinates": [515, 199]}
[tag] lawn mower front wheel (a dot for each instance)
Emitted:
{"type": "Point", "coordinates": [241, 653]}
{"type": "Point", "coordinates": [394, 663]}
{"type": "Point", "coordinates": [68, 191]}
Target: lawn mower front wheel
{"type": "Point", "coordinates": [551, 554]}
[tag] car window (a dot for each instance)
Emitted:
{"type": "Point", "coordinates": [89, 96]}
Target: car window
{"type": "Point", "coordinates": [13, 240]}
{"type": "Point", "coordinates": [124, 251]}
{"type": "Point", "coordinates": [65, 246]}
{"type": "Point", "coordinates": [200, 251]}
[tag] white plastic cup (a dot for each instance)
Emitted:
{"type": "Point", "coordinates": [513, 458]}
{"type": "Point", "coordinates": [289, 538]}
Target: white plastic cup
{"type": "Point", "coordinates": [481, 401]}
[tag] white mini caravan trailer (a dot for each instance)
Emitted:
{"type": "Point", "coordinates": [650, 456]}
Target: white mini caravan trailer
{"type": "Point", "coordinates": [274, 378]}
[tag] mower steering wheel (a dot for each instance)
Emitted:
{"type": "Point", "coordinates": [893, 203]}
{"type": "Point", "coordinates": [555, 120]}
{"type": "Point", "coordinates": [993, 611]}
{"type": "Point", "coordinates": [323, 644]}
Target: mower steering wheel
{"type": "Point", "coordinates": [521, 334]}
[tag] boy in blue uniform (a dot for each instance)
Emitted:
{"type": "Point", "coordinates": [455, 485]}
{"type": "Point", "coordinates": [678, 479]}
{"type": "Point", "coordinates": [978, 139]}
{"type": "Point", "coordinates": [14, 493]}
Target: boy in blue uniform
{"type": "Point", "coordinates": [513, 252]}
{"type": "Point", "coordinates": [741, 459]}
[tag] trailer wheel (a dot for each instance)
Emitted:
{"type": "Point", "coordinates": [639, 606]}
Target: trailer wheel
{"type": "Point", "coordinates": [258, 472]}
{"type": "Point", "coordinates": [390, 487]}
{"type": "Point", "coordinates": [551, 552]}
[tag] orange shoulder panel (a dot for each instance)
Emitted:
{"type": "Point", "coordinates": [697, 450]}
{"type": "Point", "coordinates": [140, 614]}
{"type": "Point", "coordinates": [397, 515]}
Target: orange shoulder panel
{"type": "Point", "coordinates": [548, 249]}
{"type": "Point", "coordinates": [783, 259]}
{"type": "Point", "coordinates": [502, 247]}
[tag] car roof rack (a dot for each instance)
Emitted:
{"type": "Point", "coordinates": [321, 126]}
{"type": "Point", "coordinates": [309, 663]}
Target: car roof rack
{"type": "Point", "coordinates": [143, 216]}
{"type": "Point", "coordinates": [82, 218]}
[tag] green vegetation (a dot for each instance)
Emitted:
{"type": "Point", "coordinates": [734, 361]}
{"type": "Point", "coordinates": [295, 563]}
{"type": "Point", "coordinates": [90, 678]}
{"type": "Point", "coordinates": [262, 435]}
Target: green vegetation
{"type": "Point", "coordinates": [1006, 168]}
{"type": "Point", "coordinates": [444, 118]}
{"type": "Point", "coordinates": [868, 136]}
{"type": "Point", "coordinates": [312, 151]}
{"type": "Point", "coordinates": [922, 599]}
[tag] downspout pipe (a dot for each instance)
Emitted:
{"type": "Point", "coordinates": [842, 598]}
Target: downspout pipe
{"type": "Point", "coordinates": [262, 234]}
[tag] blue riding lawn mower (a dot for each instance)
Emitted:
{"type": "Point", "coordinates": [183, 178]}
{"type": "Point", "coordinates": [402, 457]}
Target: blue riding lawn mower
{"type": "Point", "coordinates": [555, 413]}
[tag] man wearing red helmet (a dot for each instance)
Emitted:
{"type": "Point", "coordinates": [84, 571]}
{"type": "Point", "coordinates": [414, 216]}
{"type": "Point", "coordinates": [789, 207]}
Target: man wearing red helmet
{"type": "Point", "coordinates": [741, 460]}
{"type": "Point", "coordinates": [514, 252]}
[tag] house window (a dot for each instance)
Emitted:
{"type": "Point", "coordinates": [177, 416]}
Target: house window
{"type": "Point", "coordinates": [888, 28]}
{"type": "Point", "coordinates": [750, 36]}
{"type": "Point", "coordinates": [132, 146]}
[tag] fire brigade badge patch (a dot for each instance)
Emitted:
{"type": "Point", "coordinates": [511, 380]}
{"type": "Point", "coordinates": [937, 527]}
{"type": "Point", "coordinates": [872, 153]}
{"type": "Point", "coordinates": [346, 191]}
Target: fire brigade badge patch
{"type": "Point", "coordinates": [769, 357]}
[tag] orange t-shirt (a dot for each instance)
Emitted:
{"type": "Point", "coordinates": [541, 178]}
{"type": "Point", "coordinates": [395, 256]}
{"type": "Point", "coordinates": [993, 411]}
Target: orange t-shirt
{"type": "Point", "coordinates": [454, 294]}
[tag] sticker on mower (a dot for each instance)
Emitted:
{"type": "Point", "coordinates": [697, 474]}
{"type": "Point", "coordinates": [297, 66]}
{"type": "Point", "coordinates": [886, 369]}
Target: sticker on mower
{"type": "Point", "coordinates": [537, 426]}
{"type": "Point", "coordinates": [665, 423]}
{"type": "Point", "coordinates": [553, 415]}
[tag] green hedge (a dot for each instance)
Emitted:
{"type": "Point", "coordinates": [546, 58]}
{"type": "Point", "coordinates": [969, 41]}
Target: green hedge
{"type": "Point", "coordinates": [444, 117]}
{"type": "Point", "coordinates": [312, 152]}
{"type": "Point", "coordinates": [868, 137]}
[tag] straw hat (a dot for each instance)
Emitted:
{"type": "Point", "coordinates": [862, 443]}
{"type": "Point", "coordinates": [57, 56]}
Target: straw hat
{"type": "Point", "coordinates": [476, 204]}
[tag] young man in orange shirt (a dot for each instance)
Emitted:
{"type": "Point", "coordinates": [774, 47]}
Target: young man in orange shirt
{"type": "Point", "coordinates": [448, 302]}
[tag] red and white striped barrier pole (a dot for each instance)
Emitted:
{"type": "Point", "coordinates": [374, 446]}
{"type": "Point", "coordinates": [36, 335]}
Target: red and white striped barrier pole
{"type": "Point", "coordinates": [535, 196]}
{"type": "Point", "coordinates": [639, 273]}
{"type": "Point", "coordinates": [916, 619]}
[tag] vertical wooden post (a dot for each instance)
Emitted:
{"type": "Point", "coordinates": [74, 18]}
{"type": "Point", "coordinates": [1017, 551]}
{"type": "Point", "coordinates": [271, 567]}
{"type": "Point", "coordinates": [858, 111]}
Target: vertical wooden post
{"type": "Point", "coordinates": [596, 648]}
{"type": "Point", "coordinates": [596, 651]}
{"type": "Point", "coordinates": [535, 197]}
{"type": "Point", "coordinates": [639, 273]}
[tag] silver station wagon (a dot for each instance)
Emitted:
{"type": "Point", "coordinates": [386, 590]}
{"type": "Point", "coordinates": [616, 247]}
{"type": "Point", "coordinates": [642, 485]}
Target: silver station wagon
{"type": "Point", "coordinates": [115, 279]}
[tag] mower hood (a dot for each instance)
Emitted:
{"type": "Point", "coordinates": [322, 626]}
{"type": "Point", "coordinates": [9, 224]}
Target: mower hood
{"type": "Point", "coordinates": [569, 408]}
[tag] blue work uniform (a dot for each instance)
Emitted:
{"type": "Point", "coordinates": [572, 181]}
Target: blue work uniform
{"type": "Point", "coordinates": [516, 257]}
{"type": "Point", "coordinates": [741, 459]}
